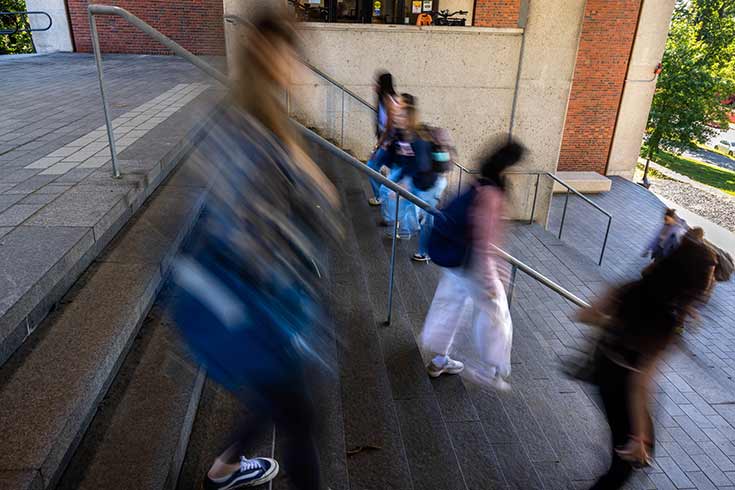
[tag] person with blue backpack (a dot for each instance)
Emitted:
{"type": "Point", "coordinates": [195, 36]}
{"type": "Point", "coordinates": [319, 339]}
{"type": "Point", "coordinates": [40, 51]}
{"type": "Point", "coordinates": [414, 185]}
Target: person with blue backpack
{"type": "Point", "coordinates": [248, 294]}
{"type": "Point", "coordinates": [434, 154]}
{"type": "Point", "coordinates": [407, 135]}
{"type": "Point", "coordinates": [463, 241]}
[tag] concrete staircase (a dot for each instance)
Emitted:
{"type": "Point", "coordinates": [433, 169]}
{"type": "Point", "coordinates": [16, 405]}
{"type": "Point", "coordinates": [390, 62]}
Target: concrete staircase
{"type": "Point", "coordinates": [52, 387]}
{"type": "Point", "coordinates": [105, 395]}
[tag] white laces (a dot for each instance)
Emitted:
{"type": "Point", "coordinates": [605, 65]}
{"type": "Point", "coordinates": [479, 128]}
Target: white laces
{"type": "Point", "coordinates": [249, 464]}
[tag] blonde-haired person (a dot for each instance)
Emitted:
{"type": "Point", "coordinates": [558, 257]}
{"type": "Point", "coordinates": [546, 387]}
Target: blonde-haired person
{"type": "Point", "coordinates": [249, 295]}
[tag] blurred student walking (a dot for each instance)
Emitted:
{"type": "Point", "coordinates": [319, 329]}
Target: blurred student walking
{"type": "Point", "coordinates": [249, 303]}
{"type": "Point", "coordinates": [384, 125]}
{"type": "Point", "coordinates": [462, 241]}
{"type": "Point", "coordinates": [639, 321]}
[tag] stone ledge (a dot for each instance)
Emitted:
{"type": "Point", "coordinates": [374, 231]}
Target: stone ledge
{"type": "Point", "coordinates": [53, 384]}
{"type": "Point", "coordinates": [584, 182]}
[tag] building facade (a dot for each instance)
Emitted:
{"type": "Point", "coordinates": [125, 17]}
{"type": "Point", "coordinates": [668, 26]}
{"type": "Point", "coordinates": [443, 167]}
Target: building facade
{"type": "Point", "coordinates": [572, 79]}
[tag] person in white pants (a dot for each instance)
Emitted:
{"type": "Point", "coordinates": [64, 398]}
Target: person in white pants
{"type": "Point", "coordinates": [478, 283]}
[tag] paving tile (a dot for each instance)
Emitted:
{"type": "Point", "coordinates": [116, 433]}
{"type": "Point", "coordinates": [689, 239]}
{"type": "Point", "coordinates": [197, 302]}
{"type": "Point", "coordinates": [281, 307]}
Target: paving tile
{"type": "Point", "coordinates": [18, 213]}
{"type": "Point", "coordinates": [429, 449]}
{"type": "Point", "coordinates": [476, 456]}
{"type": "Point", "coordinates": [518, 470]}
{"type": "Point", "coordinates": [709, 468]}
{"type": "Point", "coordinates": [675, 474]}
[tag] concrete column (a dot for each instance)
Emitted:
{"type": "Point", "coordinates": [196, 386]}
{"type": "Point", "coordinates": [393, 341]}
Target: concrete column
{"type": "Point", "coordinates": [550, 52]}
{"type": "Point", "coordinates": [648, 49]}
{"type": "Point", "coordinates": [58, 38]}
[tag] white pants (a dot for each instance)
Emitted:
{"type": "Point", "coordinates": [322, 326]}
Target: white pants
{"type": "Point", "coordinates": [490, 318]}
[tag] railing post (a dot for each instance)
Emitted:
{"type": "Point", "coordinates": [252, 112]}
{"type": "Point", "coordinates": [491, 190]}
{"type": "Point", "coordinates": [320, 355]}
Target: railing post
{"type": "Point", "coordinates": [108, 122]}
{"type": "Point", "coordinates": [342, 132]}
{"type": "Point", "coordinates": [512, 284]}
{"type": "Point", "coordinates": [564, 213]}
{"type": "Point", "coordinates": [535, 195]}
{"type": "Point", "coordinates": [459, 181]}
{"type": "Point", "coordinates": [604, 243]}
{"type": "Point", "coordinates": [393, 261]}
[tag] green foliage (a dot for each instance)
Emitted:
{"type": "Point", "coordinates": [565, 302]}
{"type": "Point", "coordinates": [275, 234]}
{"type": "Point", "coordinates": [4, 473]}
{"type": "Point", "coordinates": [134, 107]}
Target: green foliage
{"type": "Point", "coordinates": [712, 175]}
{"type": "Point", "coordinates": [699, 72]}
{"type": "Point", "coordinates": [14, 43]}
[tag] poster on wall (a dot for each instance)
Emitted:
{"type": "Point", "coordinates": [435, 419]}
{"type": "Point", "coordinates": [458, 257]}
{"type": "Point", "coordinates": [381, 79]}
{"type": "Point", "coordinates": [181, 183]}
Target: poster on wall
{"type": "Point", "coordinates": [428, 5]}
{"type": "Point", "coordinates": [416, 7]}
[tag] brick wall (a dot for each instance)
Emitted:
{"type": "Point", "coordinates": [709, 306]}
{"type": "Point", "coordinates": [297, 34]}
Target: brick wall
{"type": "Point", "coordinates": [608, 31]}
{"type": "Point", "coordinates": [497, 13]}
{"type": "Point", "coordinates": [195, 24]}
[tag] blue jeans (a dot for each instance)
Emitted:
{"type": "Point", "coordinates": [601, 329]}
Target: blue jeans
{"type": "Point", "coordinates": [406, 214]}
{"type": "Point", "coordinates": [380, 157]}
{"type": "Point", "coordinates": [426, 220]}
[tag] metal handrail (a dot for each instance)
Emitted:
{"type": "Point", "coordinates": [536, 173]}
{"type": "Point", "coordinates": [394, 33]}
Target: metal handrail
{"type": "Point", "coordinates": [569, 189]}
{"type": "Point", "coordinates": [27, 13]}
{"type": "Point", "coordinates": [401, 192]}
{"type": "Point", "coordinates": [311, 135]}
{"type": "Point", "coordinates": [96, 9]}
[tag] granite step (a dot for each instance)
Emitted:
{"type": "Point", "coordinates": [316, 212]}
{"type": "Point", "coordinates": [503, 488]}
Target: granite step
{"type": "Point", "coordinates": [139, 435]}
{"type": "Point", "coordinates": [51, 387]}
{"type": "Point", "coordinates": [44, 256]}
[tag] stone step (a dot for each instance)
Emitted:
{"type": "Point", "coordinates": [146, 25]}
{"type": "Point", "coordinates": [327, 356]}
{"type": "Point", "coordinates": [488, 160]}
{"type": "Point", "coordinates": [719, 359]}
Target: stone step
{"type": "Point", "coordinates": [139, 435]}
{"type": "Point", "coordinates": [51, 387]}
{"type": "Point", "coordinates": [44, 256]}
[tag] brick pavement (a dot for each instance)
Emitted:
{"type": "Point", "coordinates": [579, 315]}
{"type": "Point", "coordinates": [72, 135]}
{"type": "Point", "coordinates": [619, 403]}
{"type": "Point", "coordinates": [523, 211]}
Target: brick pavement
{"type": "Point", "coordinates": [694, 393]}
{"type": "Point", "coordinates": [59, 205]}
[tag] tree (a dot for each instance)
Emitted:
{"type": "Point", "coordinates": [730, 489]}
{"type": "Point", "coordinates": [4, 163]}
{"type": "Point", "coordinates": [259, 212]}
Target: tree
{"type": "Point", "coordinates": [20, 42]}
{"type": "Point", "coordinates": [698, 73]}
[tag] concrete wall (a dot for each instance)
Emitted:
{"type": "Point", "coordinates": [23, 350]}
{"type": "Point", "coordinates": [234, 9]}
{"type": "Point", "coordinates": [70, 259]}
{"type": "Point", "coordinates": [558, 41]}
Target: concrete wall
{"type": "Point", "coordinates": [464, 79]}
{"type": "Point", "coordinates": [648, 49]}
{"type": "Point", "coordinates": [552, 34]}
{"type": "Point", "coordinates": [58, 38]}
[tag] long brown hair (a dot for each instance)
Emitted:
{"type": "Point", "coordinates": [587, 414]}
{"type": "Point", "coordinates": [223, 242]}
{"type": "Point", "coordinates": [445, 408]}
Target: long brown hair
{"type": "Point", "coordinates": [259, 92]}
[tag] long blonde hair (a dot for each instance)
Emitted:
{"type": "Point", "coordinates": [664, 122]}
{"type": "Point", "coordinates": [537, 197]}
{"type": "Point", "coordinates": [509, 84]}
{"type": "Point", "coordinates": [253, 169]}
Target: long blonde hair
{"type": "Point", "coordinates": [259, 92]}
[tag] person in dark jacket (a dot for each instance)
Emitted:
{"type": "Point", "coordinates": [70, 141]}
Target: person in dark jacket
{"type": "Point", "coordinates": [639, 321]}
{"type": "Point", "coordinates": [249, 296]}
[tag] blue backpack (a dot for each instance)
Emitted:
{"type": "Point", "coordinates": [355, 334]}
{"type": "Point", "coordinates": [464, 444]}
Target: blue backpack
{"type": "Point", "coordinates": [449, 242]}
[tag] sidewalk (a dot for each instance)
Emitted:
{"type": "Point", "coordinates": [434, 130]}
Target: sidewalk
{"type": "Point", "coordinates": [694, 396]}
{"type": "Point", "coordinates": [59, 205]}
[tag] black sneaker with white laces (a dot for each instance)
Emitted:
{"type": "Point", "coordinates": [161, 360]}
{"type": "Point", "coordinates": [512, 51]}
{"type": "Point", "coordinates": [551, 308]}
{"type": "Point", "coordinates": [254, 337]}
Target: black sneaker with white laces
{"type": "Point", "coordinates": [252, 472]}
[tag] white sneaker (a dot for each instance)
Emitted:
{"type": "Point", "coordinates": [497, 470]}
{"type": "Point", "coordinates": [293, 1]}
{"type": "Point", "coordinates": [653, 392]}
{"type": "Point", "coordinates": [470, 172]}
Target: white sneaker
{"type": "Point", "coordinates": [373, 201]}
{"type": "Point", "coordinates": [450, 367]}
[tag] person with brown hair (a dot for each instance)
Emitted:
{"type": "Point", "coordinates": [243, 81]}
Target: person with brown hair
{"type": "Point", "coordinates": [640, 320]}
{"type": "Point", "coordinates": [249, 295]}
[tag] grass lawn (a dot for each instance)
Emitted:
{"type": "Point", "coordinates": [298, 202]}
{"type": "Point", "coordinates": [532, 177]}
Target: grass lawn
{"type": "Point", "coordinates": [712, 175]}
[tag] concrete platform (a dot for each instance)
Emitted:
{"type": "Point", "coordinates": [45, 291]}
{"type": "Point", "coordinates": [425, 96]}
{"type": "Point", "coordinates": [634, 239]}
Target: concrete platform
{"type": "Point", "coordinates": [59, 205]}
{"type": "Point", "coordinates": [584, 182]}
{"type": "Point", "coordinates": [51, 387]}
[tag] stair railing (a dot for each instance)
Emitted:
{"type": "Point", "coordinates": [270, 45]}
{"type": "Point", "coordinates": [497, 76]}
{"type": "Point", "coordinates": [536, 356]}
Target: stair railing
{"type": "Point", "coordinates": [568, 190]}
{"type": "Point", "coordinates": [97, 9]}
{"type": "Point", "coordinates": [461, 168]}
{"type": "Point", "coordinates": [26, 13]}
